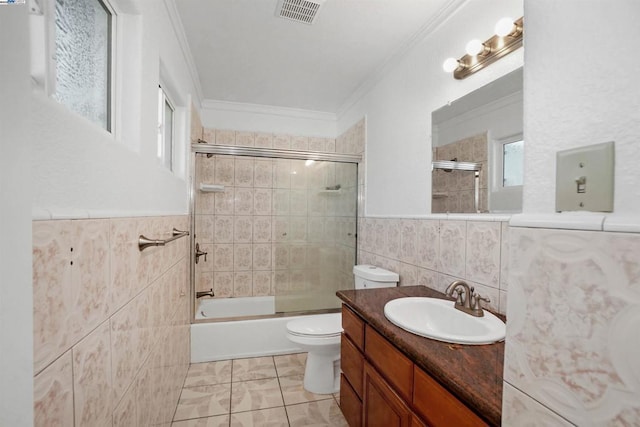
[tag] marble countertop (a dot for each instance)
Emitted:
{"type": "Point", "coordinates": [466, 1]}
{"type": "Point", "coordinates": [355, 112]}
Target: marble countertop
{"type": "Point", "coordinates": [473, 373]}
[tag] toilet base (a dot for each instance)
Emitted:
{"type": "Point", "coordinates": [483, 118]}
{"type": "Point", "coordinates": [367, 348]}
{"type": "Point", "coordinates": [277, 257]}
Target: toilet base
{"type": "Point", "coordinates": [322, 373]}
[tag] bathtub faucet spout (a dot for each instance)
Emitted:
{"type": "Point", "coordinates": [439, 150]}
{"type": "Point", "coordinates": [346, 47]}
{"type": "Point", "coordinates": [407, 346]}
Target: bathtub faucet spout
{"type": "Point", "coordinates": [208, 293]}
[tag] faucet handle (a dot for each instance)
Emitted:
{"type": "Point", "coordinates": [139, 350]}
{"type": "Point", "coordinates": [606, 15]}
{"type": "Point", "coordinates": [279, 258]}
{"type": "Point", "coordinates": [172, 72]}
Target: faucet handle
{"type": "Point", "coordinates": [459, 299]}
{"type": "Point", "coordinates": [477, 301]}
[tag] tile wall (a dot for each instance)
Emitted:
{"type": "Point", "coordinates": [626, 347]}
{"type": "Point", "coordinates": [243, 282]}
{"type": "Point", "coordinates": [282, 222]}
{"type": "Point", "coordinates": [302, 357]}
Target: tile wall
{"type": "Point", "coordinates": [275, 228]}
{"type": "Point", "coordinates": [572, 348]}
{"type": "Point", "coordinates": [111, 323]}
{"type": "Point", "coordinates": [454, 191]}
{"type": "Point", "coordinates": [435, 252]}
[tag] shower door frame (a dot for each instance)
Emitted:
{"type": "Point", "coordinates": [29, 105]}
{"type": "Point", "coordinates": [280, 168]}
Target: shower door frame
{"type": "Point", "coordinates": [203, 147]}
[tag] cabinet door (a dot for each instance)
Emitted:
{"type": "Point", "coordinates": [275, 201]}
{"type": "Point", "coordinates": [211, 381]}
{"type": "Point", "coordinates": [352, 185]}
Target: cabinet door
{"type": "Point", "coordinates": [382, 407]}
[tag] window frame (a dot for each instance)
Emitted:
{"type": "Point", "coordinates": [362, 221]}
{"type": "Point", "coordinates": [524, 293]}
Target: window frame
{"type": "Point", "coordinates": [51, 64]}
{"type": "Point", "coordinates": [504, 144]}
{"type": "Point", "coordinates": [164, 99]}
{"type": "Point", "coordinates": [501, 198]}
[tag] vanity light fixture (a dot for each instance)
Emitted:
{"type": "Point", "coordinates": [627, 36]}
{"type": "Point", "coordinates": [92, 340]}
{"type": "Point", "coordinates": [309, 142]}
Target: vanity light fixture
{"type": "Point", "coordinates": [507, 38]}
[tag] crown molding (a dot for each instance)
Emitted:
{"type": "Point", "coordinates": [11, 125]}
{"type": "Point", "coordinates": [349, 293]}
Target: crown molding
{"type": "Point", "coordinates": [392, 61]}
{"type": "Point", "coordinates": [178, 30]}
{"type": "Point", "coordinates": [239, 107]}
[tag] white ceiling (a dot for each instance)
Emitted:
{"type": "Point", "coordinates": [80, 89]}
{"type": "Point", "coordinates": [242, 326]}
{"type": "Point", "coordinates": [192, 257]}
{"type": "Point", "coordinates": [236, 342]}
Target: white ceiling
{"type": "Point", "coordinates": [244, 53]}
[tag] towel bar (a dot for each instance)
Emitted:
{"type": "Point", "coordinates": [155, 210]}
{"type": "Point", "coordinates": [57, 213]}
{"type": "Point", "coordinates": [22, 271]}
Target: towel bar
{"type": "Point", "coordinates": [144, 242]}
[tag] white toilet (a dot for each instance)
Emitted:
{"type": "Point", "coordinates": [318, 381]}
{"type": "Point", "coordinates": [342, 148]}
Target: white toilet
{"type": "Point", "coordinates": [319, 335]}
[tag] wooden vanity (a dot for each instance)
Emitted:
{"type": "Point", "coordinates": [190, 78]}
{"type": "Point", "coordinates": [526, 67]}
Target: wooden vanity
{"type": "Point", "coordinates": [391, 377]}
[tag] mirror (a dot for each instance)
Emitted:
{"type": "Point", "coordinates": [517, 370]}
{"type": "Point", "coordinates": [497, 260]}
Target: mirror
{"type": "Point", "coordinates": [483, 128]}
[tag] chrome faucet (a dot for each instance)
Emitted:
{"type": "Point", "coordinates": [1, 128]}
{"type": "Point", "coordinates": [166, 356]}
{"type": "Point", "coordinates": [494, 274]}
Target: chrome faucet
{"type": "Point", "coordinates": [466, 299]}
{"type": "Point", "coordinates": [208, 293]}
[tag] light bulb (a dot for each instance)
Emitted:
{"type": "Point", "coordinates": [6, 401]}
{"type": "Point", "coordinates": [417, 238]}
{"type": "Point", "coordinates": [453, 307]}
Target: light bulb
{"type": "Point", "coordinates": [504, 26]}
{"type": "Point", "coordinates": [450, 65]}
{"type": "Point", "coordinates": [474, 47]}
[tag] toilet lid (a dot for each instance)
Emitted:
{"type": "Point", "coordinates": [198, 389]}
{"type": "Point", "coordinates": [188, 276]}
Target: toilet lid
{"type": "Point", "coordinates": [325, 325]}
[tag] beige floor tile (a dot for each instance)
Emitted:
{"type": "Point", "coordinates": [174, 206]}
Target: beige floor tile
{"type": "Point", "coordinates": [273, 417]}
{"type": "Point", "coordinates": [324, 413]}
{"type": "Point", "coordinates": [256, 394]}
{"type": "Point", "coordinates": [290, 364]}
{"type": "Point", "coordinates": [293, 391]}
{"type": "Point", "coordinates": [205, 401]}
{"type": "Point", "coordinates": [219, 421]}
{"type": "Point", "coordinates": [337, 397]}
{"type": "Point", "coordinates": [253, 369]}
{"type": "Point", "coordinates": [209, 373]}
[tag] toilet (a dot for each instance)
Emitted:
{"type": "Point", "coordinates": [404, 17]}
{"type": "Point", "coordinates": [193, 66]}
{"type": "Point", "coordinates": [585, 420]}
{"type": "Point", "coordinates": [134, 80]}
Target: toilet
{"type": "Point", "coordinates": [319, 335]}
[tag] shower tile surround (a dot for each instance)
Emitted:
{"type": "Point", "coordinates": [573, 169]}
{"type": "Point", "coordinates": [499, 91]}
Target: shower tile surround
{"type": "Point", "coordinates": [272, 226]}
{"type": "Point", "coordinates": [111, 323]}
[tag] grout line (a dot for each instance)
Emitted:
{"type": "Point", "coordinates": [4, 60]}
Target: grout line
{"type": "Point", "coordinates": [231, 392]}
{"type": "Point", "coordinates": [284, 405]}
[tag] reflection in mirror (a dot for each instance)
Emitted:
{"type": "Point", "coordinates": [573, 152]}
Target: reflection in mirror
{"type": "Point", "coordinates": [512, 159]}
{"type": "Point", "coordinates": [485, 127]}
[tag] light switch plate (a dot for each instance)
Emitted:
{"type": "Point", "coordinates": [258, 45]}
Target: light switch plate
{"type": "Point", "coordinates": [584, 178]}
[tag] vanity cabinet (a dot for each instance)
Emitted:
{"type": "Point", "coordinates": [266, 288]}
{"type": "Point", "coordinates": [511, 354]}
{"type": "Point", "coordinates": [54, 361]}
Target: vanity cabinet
{"type": "Point", "coordinates": [380, 386]}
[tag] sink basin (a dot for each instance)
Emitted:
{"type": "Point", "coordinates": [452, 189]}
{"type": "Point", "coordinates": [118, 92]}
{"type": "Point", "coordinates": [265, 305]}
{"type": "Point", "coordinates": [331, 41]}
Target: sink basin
{"type": "Point", "coordinates": [439, 320]}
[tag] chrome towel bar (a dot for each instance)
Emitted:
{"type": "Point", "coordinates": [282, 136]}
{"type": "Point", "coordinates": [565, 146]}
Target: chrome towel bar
{"type": "Point", "coordinates": [144, 242]}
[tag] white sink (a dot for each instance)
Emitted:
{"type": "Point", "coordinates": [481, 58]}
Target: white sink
{"type": "Point", "coordinates": [439, 320]}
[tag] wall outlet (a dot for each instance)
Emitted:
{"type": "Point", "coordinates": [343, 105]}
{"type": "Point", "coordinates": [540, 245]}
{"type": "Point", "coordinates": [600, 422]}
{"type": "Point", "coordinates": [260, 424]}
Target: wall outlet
{"type": "Point", "coordinates": [584, 178]}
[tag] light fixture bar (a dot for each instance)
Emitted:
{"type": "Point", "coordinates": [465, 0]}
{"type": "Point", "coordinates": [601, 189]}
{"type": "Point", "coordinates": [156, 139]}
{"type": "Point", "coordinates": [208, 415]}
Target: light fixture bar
{"type": "Point", "coordinates": [495, 48]}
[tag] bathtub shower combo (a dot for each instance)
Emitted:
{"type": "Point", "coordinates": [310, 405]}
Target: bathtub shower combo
{"type": "Point", "coordinates": [274, 237]}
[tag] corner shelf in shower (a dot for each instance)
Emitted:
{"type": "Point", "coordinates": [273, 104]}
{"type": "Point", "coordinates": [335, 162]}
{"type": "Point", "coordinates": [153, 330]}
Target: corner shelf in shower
{"type": "Point", "coordinates": [330, 192]}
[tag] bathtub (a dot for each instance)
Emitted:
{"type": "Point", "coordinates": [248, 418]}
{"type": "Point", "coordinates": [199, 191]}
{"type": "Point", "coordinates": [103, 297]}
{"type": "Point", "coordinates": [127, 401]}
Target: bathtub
{"type": "Point", "coordinates": [233, 339]}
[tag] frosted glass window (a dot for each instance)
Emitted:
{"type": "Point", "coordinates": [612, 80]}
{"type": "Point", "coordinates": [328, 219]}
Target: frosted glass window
{"type": "Point", "coordinates": [83, 50]}
{"type": "Point", "coordinates": [512, 162]}
{"type": "Point", "coordinates": [165, 129]}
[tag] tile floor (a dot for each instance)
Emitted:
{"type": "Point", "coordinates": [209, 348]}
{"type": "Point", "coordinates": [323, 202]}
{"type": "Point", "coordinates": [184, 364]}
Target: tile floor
{"type": "Point", "coordinates": [262, 391]}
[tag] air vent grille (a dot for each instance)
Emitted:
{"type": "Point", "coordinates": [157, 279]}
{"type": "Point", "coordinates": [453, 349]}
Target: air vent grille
{"type": "Point", "coordinates": [299, 10]}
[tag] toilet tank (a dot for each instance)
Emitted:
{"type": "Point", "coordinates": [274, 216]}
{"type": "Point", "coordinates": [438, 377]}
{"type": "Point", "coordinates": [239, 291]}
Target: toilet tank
{"type": "Point", "coordinates": [370, 276]}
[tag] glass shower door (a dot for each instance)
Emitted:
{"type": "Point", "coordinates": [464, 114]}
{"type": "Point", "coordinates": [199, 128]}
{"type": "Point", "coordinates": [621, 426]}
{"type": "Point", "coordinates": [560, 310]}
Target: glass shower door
{"type": "Point", "coordinates": [314, 233]}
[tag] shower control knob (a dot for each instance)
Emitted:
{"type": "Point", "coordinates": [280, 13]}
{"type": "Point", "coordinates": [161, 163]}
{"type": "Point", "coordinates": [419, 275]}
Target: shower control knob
{"type": "Point", "coordinates": [200, 253]}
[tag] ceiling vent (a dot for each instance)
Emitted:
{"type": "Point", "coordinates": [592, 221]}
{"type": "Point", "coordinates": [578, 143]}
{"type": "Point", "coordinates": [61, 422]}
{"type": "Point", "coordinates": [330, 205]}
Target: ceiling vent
{"type": "Point", "coordinates": [304, 11]}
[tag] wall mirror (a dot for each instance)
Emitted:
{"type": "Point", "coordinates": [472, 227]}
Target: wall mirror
{"type": "Point", "coordinates": [477, 150]}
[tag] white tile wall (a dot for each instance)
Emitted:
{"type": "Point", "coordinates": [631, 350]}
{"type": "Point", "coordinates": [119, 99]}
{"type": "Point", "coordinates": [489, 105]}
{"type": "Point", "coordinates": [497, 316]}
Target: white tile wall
{"type": "Point", "coordinates": [574, 316]}
{"type": "Point", "coordinates": [436, 252]}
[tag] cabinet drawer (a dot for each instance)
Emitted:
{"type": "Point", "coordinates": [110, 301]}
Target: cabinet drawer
{"type": "Point", "coordinates": [353, 326]}
{"type": "Point", "coordinates": [439, 407]}
{"type": "Point", "coordinates": [392, 364]}
{"type": "Point", "coordinates": [352, 364]}
{"type": "Point", "coordinates": [350, 404]}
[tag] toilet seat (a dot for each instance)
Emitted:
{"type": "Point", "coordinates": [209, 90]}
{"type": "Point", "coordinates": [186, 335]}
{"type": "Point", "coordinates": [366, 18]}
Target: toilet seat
{"type": "Point", "coordinates": [316, 326]}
